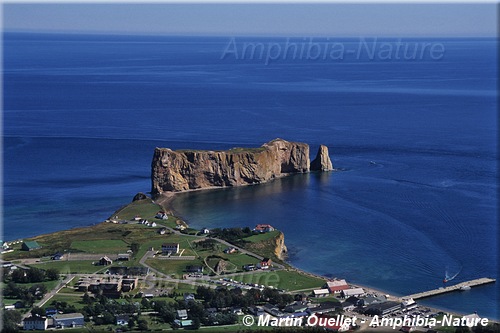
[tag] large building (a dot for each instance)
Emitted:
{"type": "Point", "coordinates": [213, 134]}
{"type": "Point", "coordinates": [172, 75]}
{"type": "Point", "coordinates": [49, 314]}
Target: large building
{"type": "Point", "coordinates": [170, 248]}
{"type": "Point", "coordinates": [30, 246]}
{"type": "Point", "coordinates": [34, 322]}
{"type": "Point", "coordinates": [68, 320]}
{"type": "Point", "coordinates": [382, 309]}
{"type": "Point", "coordinates": [336, 286]}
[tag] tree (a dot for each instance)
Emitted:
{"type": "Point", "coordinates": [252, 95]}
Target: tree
{"type": "Point", "coordinates": [145, 303]}
{"type": "Point", "coordinates": [52, 274]}
{"type": "Point", "coordinates": [108, 318]}
{"type": "Point", "coordinates": [131, 323]}
{"type": "Point", "coordinates": [35, 275]}
{"type": "Point", "coordinates": [135, 247]}
{"type": "Point", "coordinates": [142, 325]}
{"type": "Point", "coordinates": [38, 290]}
{"type": "Point", "coordinates": [19, 276]}
{"type": "Point", "coordinates": [37, 311]}
{"type": "Point", "coordinates": [196, 323]}
{"type": "Point", "coordinates": [11, 320]}
{"type": "Point", "coordinates": [87, 299]}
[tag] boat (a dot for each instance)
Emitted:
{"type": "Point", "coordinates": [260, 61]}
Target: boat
{"type": "Point", "coordinates": [463, 288]}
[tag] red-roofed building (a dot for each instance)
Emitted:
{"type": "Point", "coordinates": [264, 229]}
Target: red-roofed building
{"type": "Point", "coordinates": [336, 286]}
{"type": "Point", "coordinates": [265, 263]}
{"type": "Point", "coordinates": [264, 228]}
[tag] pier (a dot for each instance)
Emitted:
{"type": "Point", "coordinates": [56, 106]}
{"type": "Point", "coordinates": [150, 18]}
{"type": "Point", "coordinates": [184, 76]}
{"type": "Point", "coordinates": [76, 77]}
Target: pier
{"type": "Point", "coordinates": [471, 283]}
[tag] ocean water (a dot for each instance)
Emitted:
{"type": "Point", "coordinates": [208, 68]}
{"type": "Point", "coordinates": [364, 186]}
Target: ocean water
{"type": "Point", "coordinates": [414, 142]}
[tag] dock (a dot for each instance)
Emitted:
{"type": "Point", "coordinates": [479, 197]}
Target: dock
{"type": "Point", "coordinates": [442, 290]}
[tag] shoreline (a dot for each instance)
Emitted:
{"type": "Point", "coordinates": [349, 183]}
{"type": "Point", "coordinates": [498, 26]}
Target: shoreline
{"type": "Point", "coordinates": [167, 198]}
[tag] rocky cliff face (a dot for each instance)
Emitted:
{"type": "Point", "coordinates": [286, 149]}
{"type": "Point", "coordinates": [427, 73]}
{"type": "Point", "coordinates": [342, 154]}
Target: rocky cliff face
{"type": "Point", "coordinates": [174, 171]}
{"type": "Point", "coordinates": [322, 161]}
{"type": "Point", "coordinates": [280, 249]}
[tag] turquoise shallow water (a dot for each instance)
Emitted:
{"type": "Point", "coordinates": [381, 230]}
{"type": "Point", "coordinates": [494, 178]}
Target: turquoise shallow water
{"type": "Point", "coordinates": [415, 142]}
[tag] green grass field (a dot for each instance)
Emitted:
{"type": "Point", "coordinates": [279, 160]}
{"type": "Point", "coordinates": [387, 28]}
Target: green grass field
{"type": "Point", "coordinates": [71, 266]}
{"type": "Point", "coordinates": [263, 236]}
{"type": "Point", "coordinates": [75, 300]}
{"type": "Point", "coordinates": [101, 246]}
{"type": "Point", "coordinates": [173, 267]}
{"type": "Point", "coordinates": [287, 280]}
{"type": "Point", "coordinates": [146, 209]}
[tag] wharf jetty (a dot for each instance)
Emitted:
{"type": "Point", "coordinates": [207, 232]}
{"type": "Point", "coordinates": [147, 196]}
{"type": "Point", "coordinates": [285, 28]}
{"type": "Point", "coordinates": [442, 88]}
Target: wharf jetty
{"type": "Point", "coordinates": [460, 286]}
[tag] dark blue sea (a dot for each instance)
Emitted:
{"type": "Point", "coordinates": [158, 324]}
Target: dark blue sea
{"type": "Point", "coordinates": [413, 140]}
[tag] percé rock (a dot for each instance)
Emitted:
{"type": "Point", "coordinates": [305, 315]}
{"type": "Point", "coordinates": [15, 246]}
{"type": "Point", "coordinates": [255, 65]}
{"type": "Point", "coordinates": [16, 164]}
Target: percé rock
{"type": "Point", "coordinates": [174, 171]}
{"type": "Point", "coordinates": [322, 161]}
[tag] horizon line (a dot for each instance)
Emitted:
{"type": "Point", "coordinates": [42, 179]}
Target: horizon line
{"type": "Point", "coordinates": [243, 35]}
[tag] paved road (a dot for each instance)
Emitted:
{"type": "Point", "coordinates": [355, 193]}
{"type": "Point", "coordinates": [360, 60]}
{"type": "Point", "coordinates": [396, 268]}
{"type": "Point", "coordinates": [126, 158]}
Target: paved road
{"type": "Point", "coordinates": [51, 293]}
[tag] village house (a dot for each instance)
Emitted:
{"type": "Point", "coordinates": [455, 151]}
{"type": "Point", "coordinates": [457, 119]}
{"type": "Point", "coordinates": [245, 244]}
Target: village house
{"type": "Point", "coordinates": [50, 312]}
{"type": "Point", "coordinates": [332, 326]}
{"type": "Point", "coordinates": [105, 261]}
{"type": "Point", "coordinates": [170, 248]}
{"type": "Point", "coordinates": [324, 307]}
{"type": "Point", "coordinates": [336, 286]}
{"type": "Point", "coordinates": [265, 263]}
{"type": "Point", "coordinates": [370, 299]}
{"type": "Point", "coordinates": [183, 323]}
{"type": "Point", "coordinates": [230, 250]}
{"type": "Point", "coordinates": [256, 311]}
{"type": "Point", "coordinates": [57, 256]}
{"type": "Point", "coordinates": [205, 231]}
{"type": "Point", "coordinates": [350, 304]}
{"type": "Point", "coordinates": [237, 310]}
{"type": "Point", "coordinates": [35, 322]}
{"type": "Point", "coordinates": [296, 307]}
{"type": "Point", "coordinates": [346, 293]}
{"type": "Point", "coordinates": [122, 320]}
{"type": "Point", "coordinates": [249, 267]}
{"type": "Point", "coordinates": [263, 228]}
{"type": "Point", "coordinates": [382, 309]}
{"type": "Point", "coordinates": [67, 320]}
{"type": "Point", "coordinates": [161, 215]}
{"type": "Point", "coordinates": [129, 284]}
{"type": "Point", "coordinates": [194, 269]}
{"type": "Point", "coordinates": [272, 309]}
{"type": "Point", "coordinates": [30, 246]}
{"type": "Point", "coordinates": [408, 304]}
{"type": "Point", "coordinates": [123, 257]}
{"type": "Point", "coordinates": [321, 292]}
{"type": "Point", "coordinates": [182, 314]}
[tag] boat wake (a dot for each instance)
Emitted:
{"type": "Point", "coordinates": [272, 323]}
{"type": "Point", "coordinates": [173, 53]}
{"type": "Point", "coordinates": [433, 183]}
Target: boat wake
{"type": "Point", "coordinates": [448, 277]}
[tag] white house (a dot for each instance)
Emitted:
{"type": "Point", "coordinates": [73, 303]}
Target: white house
{"type": "Point", "coordinates": [170, 248]}
{"type": "Point", "coordinates": [35, 323]}
{"type": "Point", "coordinates": [346, 293]}
{"type": "Point", "coordinates": [321, 292]}
{"type": "Point", "coordinates": [182, 314]}
{"type": "Point", "coordinates": [161, 215]}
